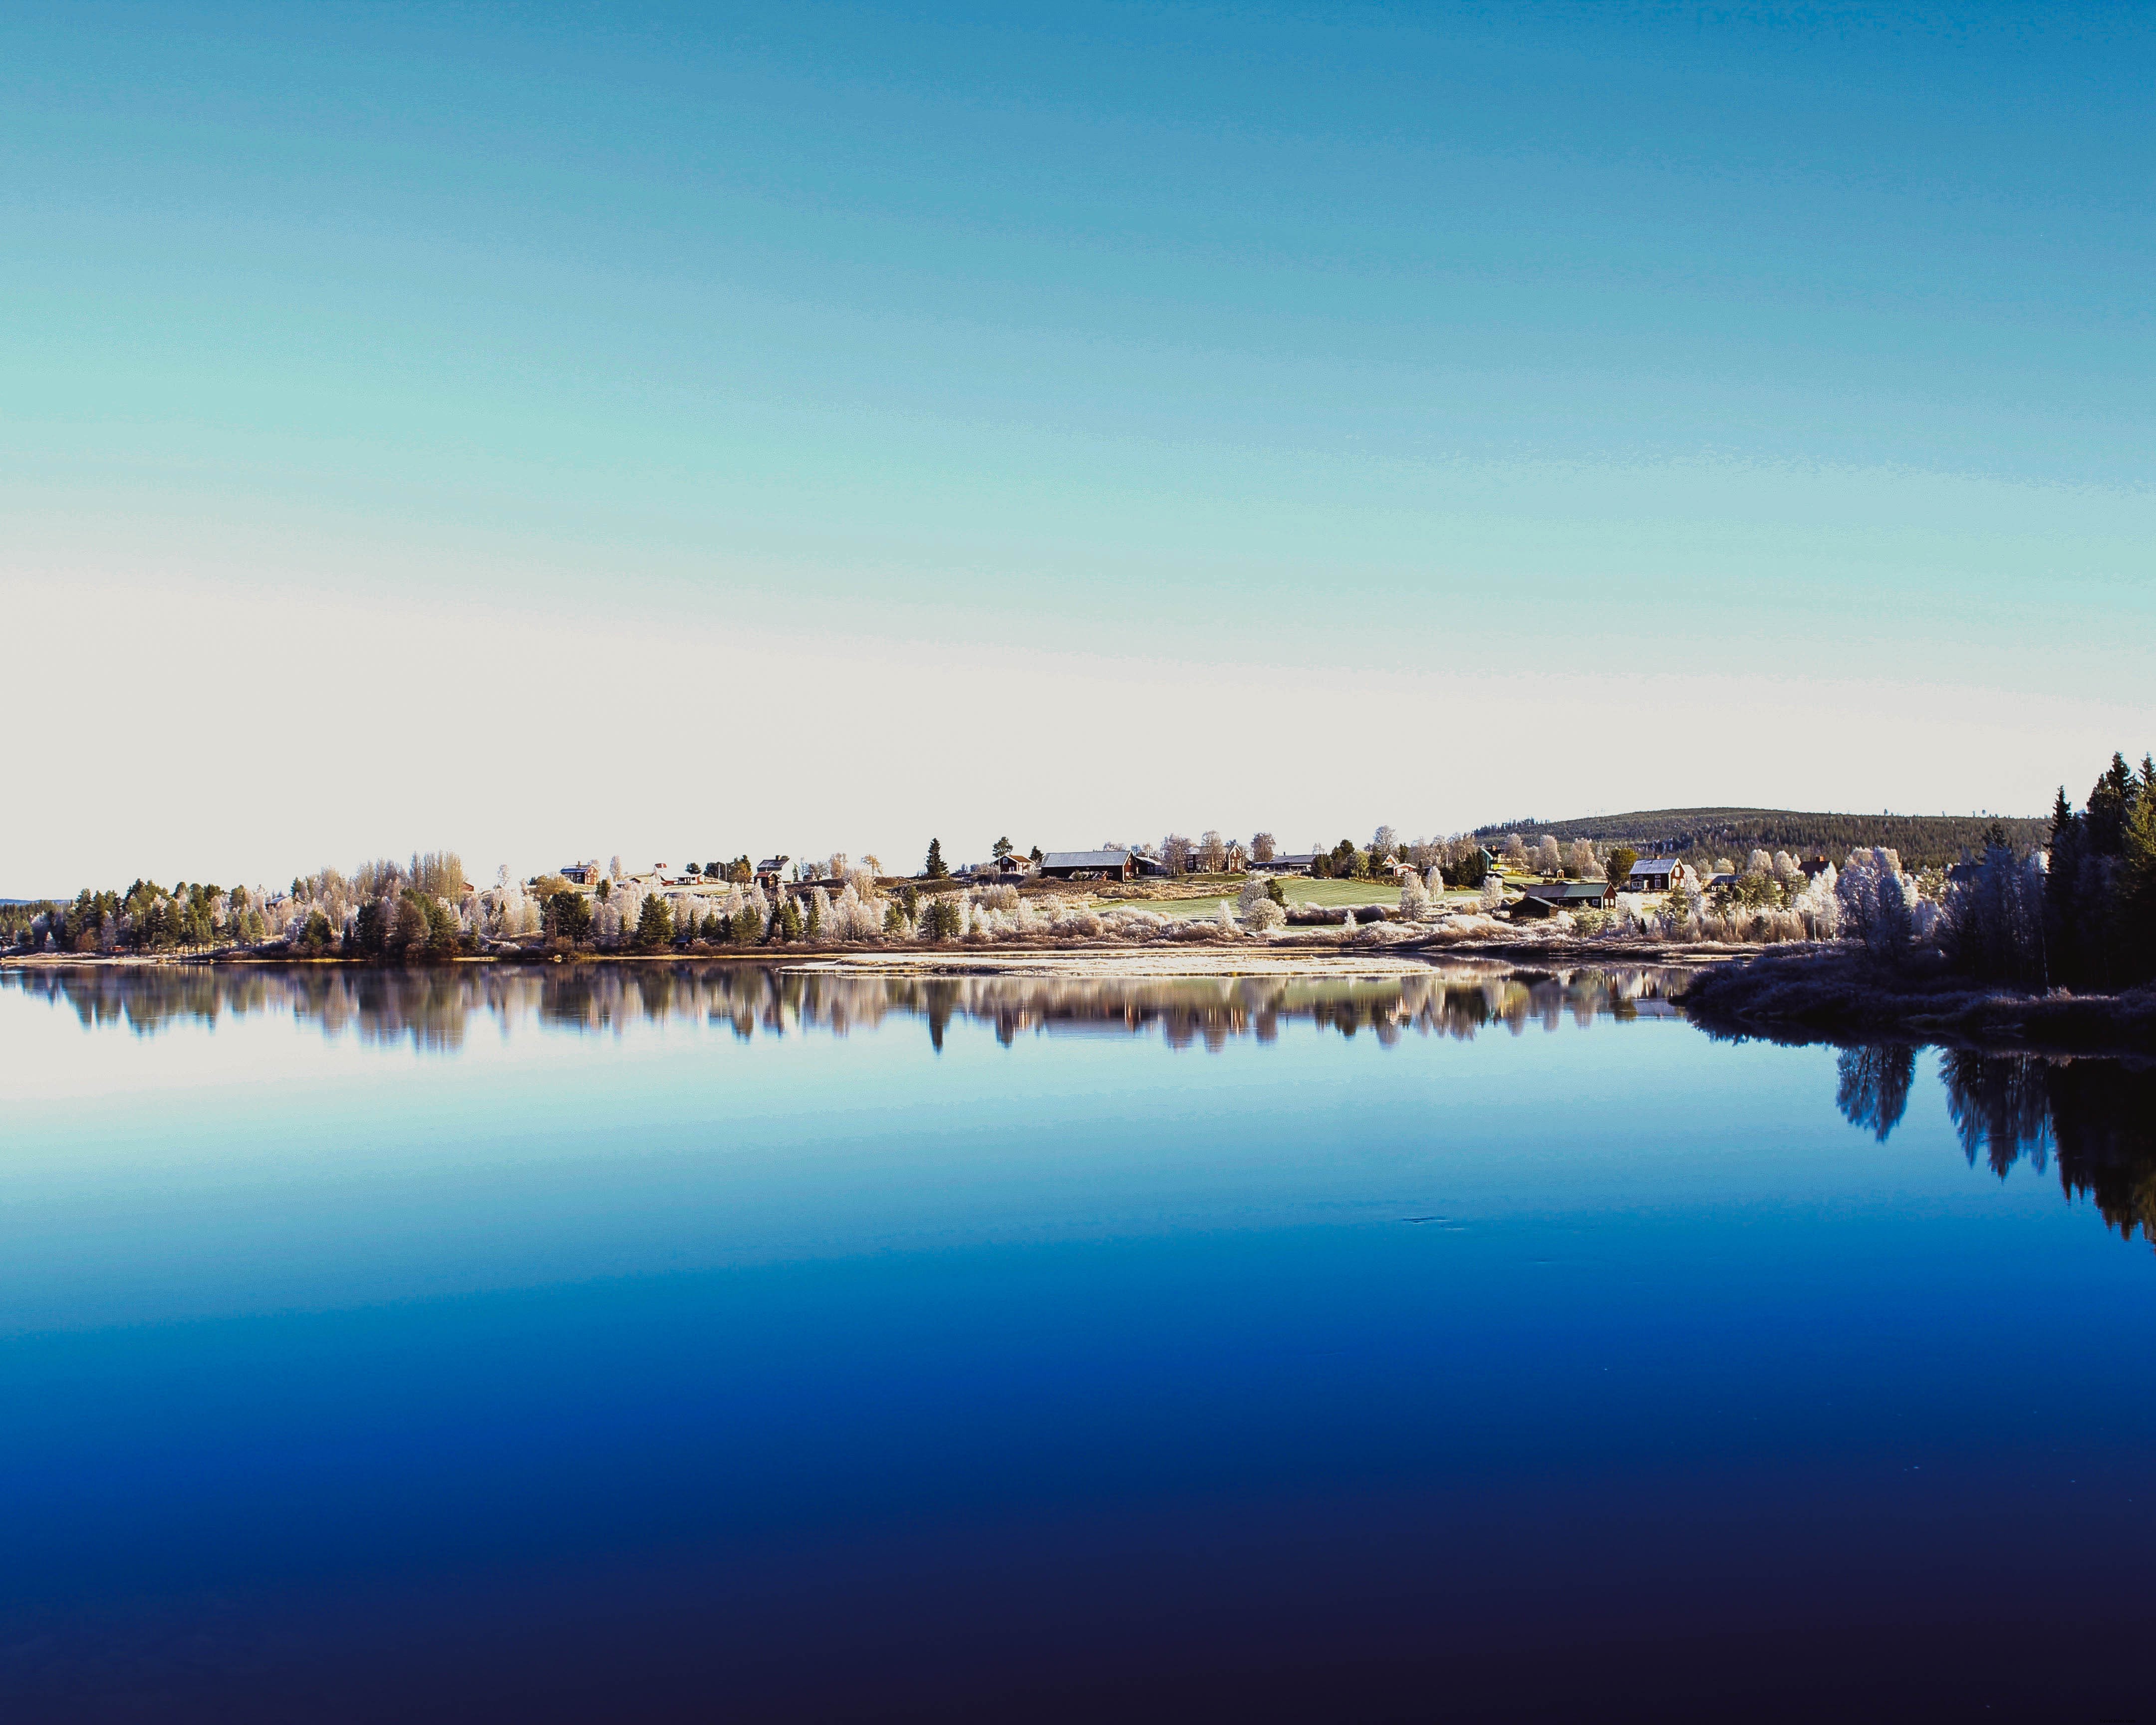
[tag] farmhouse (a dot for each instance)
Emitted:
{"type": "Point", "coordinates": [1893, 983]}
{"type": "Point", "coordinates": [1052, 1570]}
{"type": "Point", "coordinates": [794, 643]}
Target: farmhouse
{"type": "Point", "coordinates": [582, 873]}
{"type": "Point", "coordinates": [1657, 874]}
{"type": "Point", "coordinates": [1088, 865]}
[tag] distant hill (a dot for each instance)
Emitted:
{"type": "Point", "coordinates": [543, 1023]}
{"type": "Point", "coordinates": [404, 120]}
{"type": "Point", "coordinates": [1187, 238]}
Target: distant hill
{"type": "Point", "coordinates": [1922, 839]}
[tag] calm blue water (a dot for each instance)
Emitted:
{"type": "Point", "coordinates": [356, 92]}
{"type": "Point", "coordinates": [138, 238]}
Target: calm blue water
{"type": "Point", "coordinates": [681, 1344]}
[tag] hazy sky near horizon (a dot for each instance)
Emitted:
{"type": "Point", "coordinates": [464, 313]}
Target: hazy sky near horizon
{"type": "Point", "coordinates": [545, 434]}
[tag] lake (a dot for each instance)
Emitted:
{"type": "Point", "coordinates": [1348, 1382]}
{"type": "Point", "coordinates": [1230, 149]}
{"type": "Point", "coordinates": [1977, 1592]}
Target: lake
{"type": "Point", "coordinates": [679, 1341]}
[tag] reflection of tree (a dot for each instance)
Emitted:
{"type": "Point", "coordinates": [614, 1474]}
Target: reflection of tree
{"type": "Point", "coordinates": [2096, 1116]}
{"type": "Point", "coordinates": [1999, 1106]}
{"type": "Point", "coordinates": [432, 1009]}
{"type": "Point", "coordinates": [1874, 1088]}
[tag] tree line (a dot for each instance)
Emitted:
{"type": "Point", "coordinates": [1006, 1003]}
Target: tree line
{"type": "Point", "coordinates": [1696, 835]}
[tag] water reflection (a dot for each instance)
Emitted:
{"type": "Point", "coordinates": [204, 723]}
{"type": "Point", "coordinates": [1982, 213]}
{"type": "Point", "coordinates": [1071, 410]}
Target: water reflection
{"type": "Point", "coordinates": [435, 1009]}
{"type": "Point", "coordinates": [1874, 1090]}
{"type": "Point", "coordinates": [2096, 1117]}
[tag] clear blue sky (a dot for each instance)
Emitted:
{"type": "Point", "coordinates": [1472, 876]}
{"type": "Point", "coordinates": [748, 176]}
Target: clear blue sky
{"type": "Point", "coordinates": [1338, 344]}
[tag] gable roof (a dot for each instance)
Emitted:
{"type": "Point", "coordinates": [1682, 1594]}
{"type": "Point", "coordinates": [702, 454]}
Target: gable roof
{"type": "Point", "coordinates": [1566, 891]}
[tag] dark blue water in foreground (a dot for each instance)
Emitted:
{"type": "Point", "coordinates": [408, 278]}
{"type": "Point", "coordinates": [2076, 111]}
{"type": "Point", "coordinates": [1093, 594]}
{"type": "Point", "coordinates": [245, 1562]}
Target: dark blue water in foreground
{"type": "Point", "coordinates": [719, 1345]}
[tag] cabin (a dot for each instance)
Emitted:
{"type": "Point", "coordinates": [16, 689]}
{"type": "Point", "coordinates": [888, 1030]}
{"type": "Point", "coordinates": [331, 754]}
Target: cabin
{"type": "Point", "coordinates": [1547, 897]}
{"type": "Point", "coordinates": [1658, 874]}
{"type": "Point", "coordinates": [1088, 866]}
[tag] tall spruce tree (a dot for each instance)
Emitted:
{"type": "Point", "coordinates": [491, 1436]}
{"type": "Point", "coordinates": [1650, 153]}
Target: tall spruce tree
{"type": "Point", "coordinates": [936, 869]}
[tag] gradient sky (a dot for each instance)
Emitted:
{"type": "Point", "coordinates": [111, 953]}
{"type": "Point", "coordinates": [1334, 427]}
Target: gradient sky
{"type": "Point", "coordinates": [543, 434]}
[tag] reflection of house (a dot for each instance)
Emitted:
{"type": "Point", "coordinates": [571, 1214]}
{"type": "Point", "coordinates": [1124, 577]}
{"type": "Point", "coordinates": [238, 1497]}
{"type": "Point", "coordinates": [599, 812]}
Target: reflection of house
{"type": "Point", "coordinates": [1547, 897]}
{"type": "Point", "coordinates": [1658, 874]}
{"type": "Point", "coordinates": [1088, 866]}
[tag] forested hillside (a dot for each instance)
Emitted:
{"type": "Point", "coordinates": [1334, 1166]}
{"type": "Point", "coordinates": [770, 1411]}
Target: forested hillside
{"type": "Point", "coordinates": [1923, 840]}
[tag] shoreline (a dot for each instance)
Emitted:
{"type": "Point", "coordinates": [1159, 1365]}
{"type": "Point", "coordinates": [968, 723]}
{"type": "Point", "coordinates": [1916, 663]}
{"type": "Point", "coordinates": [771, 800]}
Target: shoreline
{"type": "Point", "coordinates": [1837, 994]}
{"type": "Point", "coordinates": [1807, 993]}
{"type": "Point", "coordinates": [1296, 953]}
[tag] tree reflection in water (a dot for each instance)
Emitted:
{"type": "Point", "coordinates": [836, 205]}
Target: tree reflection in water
{"type": "Point", "coordinates": [2096, 1117]}
{"type": "Point", "coordinates": [432, 1009]}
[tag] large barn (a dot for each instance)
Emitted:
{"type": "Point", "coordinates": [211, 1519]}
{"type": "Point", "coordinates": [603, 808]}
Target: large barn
{"type": "Point", "coordinates": [1088, 865]}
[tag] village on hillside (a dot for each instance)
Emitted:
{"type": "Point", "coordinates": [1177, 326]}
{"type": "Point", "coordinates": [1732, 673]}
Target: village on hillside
{"type": "Point", "coordinates": [2034, 905]}
{"type": "Point", "coordinates": [1385, 891]}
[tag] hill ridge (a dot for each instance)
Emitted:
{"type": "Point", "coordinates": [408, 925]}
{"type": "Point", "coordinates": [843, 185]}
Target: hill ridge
{"type": "Point", "coordinates": [1923, 840]}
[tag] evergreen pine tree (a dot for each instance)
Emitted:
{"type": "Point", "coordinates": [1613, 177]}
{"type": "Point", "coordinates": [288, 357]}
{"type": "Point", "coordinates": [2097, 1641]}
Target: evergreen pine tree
{"type": "Point", "coordinates": [936, 869]}
{"type": "Point", "coordinates": [2137, 891]}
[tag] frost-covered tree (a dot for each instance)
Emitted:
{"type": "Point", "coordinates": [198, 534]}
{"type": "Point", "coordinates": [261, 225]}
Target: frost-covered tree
{"type": "Point", "coordinates": [1414, 897]}
{"type": "Point", "coordinates": [1992, 924]}
{"type": "Point", "coordinates": [1384, 843]}
{"type": "Point", "coordinates": [1262, 847]}
{"type": "Point", "coordinates": [1877, 901]}
{"type": "Point", "coordinates": [1213, 852]}
{"type": "Point", "coordinates": [1819, 905]}
{"type": "Point", "coordinates": [1549, 859]}
{"type": "Point", "coordinates": [1579, 861]}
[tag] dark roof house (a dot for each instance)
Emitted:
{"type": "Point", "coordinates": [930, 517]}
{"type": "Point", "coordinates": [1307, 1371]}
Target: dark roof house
{"type": "Point", "coordinates": [1088, 865]}
{"type": "Point", "coordinates": [1546, 898]}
